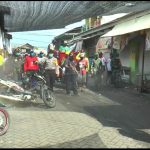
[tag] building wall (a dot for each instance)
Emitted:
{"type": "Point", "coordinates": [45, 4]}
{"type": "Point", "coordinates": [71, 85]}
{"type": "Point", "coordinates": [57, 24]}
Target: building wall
{"type": "Point", "coordinates": [90, 46]}
{"type": "Point", "coordinates": [146, 62]}
{"type": "Point", "coordinates": [131, 57]}
{"type": "Point", "coordinates": [125, 56]}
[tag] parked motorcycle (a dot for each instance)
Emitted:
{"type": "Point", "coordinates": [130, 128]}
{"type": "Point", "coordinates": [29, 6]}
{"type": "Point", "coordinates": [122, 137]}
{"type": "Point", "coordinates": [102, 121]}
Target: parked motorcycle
{"type": "Point", "coordinates": [14, 91]}
{"type": "Point", "coordinates": [4, 121]}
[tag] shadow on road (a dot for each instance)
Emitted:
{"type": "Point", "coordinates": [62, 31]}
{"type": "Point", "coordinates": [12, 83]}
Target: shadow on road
{"type": "Point", "coordinates": [129, 118]}
{"type": "Point", "coordinates": [135, 134]}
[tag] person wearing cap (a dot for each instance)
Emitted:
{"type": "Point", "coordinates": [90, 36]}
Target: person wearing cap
{"type": "Point", "coordinates": [51, 69]}
{"type": "Point", "coordinates": [71, 75]}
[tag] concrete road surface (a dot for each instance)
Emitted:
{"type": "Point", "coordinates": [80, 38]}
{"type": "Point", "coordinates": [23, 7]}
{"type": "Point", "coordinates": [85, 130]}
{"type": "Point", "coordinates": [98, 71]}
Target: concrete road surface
{"type": "Point", "coordinates": [112, 118]}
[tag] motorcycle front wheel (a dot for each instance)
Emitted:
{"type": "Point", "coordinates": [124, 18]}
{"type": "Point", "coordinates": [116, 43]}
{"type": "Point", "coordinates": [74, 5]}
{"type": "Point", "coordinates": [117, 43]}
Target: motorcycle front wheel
{"type": "Point", "coordinates": [48, 98]}
{"type": "Point", "coordinates": [4, 121]}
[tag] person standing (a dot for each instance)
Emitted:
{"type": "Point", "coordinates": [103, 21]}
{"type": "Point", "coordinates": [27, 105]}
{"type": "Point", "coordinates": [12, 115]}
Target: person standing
{"type": "Point", "coordinates": [51, 70]}
{"type": "Point", "coordinates": [109, 70]}
{"type": "Point", "coordinates": [103, 69]}
{"type": "Point", "coordinates": [96, 71]}
{"type": "Point", "coordinates": [1, 63]}
{"type": "Point", "coordinates": [17, 62]}
{"type": "Point", "coordinates": [82, 67]}
{"type": "Point", "coordinates": [71, 75]}
{"type": "Point", "coordinates": [41, 60]}
{"type": "Point", "coordinates": [1, 59]}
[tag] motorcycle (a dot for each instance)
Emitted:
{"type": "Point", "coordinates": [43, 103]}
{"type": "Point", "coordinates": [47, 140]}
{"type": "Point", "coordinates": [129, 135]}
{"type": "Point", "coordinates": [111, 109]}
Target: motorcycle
{"type": "Point", "coordinates": [4, 121]}
{"type": "Point", "coordinates": [16, 91]}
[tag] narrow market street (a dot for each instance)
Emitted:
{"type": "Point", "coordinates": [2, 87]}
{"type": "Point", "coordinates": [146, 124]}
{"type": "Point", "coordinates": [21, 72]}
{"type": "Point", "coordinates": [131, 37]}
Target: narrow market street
{"type": "Point", "coordinates": [116, 118]}
{"type": "Point", "coordinates": [74, 74]}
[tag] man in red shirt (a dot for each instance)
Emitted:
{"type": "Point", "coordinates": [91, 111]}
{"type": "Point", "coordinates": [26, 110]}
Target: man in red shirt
{"type": "Point", "coordinates": [31, 66]}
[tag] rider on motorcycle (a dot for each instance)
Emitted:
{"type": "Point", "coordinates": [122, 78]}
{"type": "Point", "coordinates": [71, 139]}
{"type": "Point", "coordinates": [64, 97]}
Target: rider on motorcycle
{"type": "Point", "coordinates": [30, 65]}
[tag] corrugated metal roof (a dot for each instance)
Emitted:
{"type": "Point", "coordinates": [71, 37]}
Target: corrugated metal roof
{"type": "Point", "coordinates": [42, 15]}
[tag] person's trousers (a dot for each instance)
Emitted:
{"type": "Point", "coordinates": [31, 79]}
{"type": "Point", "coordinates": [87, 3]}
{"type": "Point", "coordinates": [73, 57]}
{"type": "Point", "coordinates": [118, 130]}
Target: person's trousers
{"type": "Point", "coordinates": [98, 80]}
{"type": "Point", "coordinates": [50, 78]}
{"type": "Point", "coordinates": [71, 83]}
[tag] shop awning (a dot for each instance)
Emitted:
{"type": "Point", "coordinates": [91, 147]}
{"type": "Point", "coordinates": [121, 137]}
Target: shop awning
{"type": "Point", "coordinates": [129, 26]}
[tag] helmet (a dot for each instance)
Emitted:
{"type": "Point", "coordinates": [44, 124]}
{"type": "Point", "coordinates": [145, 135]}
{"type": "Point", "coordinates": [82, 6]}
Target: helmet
{"type": "Point", "coordinates": [32, 53]}
{"type": "Point", "coordinates": [17, 54]}
{"type": "Point", "coordinates": [41, 54]}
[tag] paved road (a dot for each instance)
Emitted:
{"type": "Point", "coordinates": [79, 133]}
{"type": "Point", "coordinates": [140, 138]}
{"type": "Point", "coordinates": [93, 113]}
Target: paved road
{"type": "Point", "coordinates": [112, 119]}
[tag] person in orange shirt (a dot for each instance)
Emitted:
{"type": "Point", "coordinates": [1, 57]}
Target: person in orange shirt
{"type": "Point", "coordinates": [82, 67]}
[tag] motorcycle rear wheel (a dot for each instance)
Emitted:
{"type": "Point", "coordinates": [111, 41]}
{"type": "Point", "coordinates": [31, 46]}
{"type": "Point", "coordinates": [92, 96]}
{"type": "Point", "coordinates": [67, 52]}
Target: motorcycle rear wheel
{"type": "Point", "coordinates": [4, 118]}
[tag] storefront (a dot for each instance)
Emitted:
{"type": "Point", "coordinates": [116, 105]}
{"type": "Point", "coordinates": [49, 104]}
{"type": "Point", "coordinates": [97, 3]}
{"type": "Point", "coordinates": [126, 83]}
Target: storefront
{"type": "Point", "coordinates": [129, 37]}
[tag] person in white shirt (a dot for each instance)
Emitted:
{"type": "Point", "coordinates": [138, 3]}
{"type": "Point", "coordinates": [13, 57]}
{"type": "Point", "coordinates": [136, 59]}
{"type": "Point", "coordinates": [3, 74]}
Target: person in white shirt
{"type": "Point", "coordinates": [51, 70]}
{"type": "Point", "coordinates": [41, 60]}
{"type": "Point", "coordinates": [109, 70]}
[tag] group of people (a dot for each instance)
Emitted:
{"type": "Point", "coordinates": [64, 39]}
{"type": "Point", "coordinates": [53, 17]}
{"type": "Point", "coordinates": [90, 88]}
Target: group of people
{"type": "Point", "coordinates": [72, 68]}
{"type": "Point", "coordinates": [101, 70]}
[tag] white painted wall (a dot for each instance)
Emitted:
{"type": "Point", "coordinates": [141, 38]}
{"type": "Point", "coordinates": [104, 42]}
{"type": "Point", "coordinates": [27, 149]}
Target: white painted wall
{"type": "Point", "coordinates": [125, 57]}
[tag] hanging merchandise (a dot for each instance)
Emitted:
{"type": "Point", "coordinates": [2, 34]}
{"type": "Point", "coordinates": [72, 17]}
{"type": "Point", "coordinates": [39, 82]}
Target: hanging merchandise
{"type": "Point", "coordinates": [124, 41]}
{"type": "Point", "coordinates": [103, 43]}
{"type": "Point", "coordinates": [79, 46]}
{"type": "Point", "coordinates": [116, 42]}
{"type": "Point", "coordinates": [72, 47]}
